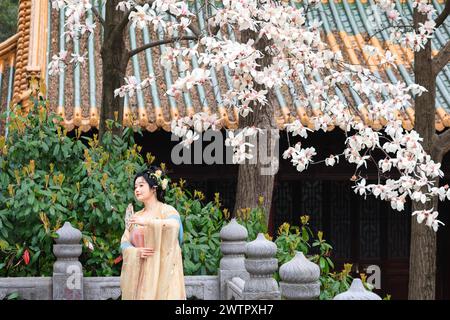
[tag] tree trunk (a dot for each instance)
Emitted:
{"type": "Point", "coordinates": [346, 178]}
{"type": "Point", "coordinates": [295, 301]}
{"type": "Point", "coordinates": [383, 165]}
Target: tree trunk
{"type": "Point", "coordinates": [253, 182]}
{"type": "Point", "coordinates": [115, 59]}
{"type": "Point", "coordinates": [422, 261]}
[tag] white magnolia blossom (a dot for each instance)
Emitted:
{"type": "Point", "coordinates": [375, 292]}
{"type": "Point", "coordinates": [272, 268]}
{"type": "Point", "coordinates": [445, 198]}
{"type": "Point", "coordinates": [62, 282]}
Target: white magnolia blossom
{"type": "Point", "coordinates": [361, 187]}
{"type": "Point", "coordinates": [241, 148]}
{"type": "Point", "coordinates": [416, 89]}
{"type": "Point", "coordinates": [371, 50]}
{"type": "Point", "coordinates": [300, 158]}
{"type": "Point", "coordinates": [429, 216]}
{"type": "Point", "coordinates": [419, 196]}
{"type": "Point", "coordinates": [200, 122]}
{"type": "Point", "coordinates": [141, 17]}
{"type": "Point", "coordinates": [198, 76]}
{"type": "Point", "coordinates": [241, 153]}
{"type": "Point", "coordinates": [389, 58]}
{"type": "Point", "coordinates": [132, 85]}
{"type": "Point", "coordinates": [332, 160]}
{"type": "Point", "coordinates": [189, 138]}
{"type": "Point", "coordinates": [385, 165]}
{"type": "Point", "coordinates": [398, 203]}
{"type": "Point", "coordinates": [297, 128]}
{"type": "Point", "coordinates": [124, 5]}
{"type": "Point", "coordinates": [57, 65]}
{"type": "Point", "coordinates": [299, 55]}
{"type": "Point", "coordinates": [58, 4]}
{"type": "Point", "coordinates": [76, 58]}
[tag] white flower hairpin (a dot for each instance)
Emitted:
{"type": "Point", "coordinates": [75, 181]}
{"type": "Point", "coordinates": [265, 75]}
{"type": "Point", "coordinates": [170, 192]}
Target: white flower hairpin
{"type": "Point", "coordinates": [158, 177]}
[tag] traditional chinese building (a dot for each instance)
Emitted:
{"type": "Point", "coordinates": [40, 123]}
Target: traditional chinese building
{"type": "Point", "coordinates": [363, 232]}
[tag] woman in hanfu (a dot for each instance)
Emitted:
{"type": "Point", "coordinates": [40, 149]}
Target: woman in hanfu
{"type": "Point", "coordinates": [152, 266]}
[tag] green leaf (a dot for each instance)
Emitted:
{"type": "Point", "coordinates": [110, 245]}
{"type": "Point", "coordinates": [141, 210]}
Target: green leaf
{"type": "Point", "coordinates": [305, 235]}
{"type": "Point", "coordinates": [44, 147]}
{"type": "Point", "coordinates": [56, 150]}
{"type": "Point", "coordinates": [35, 257]}
{"type": "Point", "coordinates": [330, 262]}
{"type": "Point", "coordinates": [322, 263]}
{"type": "Point", "coordinates": [4, 233]}
{"type": "Point", "coordinates": [107, 204]}
{"type": "Point", "coordinates": [31, 199]}
{"type": "Point", "coordinates": [190, 267]}
{"type": "Point", "coordinates": [36, 207]}
{"type": "Point", "coordinates": [4, 245]}
{"type": "Point", "coordinates": [19, 253]}
{"type": "Point", "coordinates": [12, 296]}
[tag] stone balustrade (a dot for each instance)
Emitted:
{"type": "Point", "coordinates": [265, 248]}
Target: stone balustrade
{"type": "Point", "coordinates": [246, 272]}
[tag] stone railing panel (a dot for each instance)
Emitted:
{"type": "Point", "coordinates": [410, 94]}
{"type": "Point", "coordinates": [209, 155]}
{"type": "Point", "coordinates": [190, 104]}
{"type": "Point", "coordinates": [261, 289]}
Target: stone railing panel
{"type": "Point", "coordinates": [28, 288]}
{"type": "Point", "coordinates": [102, 288]}
{"type": "Point", "coordinates": [202, 287]}
{"type": "Point", "coordinates": [235, 289]}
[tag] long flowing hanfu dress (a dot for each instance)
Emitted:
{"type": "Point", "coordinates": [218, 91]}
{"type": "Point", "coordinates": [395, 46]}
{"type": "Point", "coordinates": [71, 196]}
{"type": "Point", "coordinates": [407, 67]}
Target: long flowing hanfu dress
{"type": "Point", "coordinates": [160, 276]}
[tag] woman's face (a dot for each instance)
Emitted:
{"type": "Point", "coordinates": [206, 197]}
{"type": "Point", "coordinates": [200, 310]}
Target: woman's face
{"type": "Point", "coordinates": [142, 190]}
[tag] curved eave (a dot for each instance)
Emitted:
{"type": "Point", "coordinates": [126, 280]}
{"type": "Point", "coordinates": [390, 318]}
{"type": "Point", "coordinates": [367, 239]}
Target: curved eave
{"type": "Point", "coordinates": [76, 93]}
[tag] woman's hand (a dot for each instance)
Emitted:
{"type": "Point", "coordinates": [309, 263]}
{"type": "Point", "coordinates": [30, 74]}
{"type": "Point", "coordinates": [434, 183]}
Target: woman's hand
{"type": "Point", "coordinates": [142, 221]}
{"type": "Point", "coordinates": [146, 252]}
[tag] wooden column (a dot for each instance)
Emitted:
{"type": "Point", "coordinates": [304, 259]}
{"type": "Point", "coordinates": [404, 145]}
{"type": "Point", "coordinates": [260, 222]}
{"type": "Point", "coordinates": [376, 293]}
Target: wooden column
{"type": "Point", "coordinates": [31, 47]}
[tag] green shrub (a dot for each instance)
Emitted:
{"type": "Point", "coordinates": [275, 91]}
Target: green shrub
{"type": "Point", "coordinates": [48, 178]}
{"type": "Point", "coordinates": [202, 225]}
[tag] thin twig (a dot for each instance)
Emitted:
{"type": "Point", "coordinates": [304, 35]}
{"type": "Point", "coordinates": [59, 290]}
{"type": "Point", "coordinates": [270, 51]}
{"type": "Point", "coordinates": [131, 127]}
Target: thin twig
{"type": "Point", "coordinates": [158, 43]}
{"type": "Point", "coordinates": [388, 27]}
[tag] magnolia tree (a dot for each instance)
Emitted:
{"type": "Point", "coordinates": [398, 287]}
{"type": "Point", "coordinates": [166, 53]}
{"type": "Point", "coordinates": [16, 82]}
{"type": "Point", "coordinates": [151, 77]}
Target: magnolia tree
{"type": "Point", "coordinates": [276, 46]}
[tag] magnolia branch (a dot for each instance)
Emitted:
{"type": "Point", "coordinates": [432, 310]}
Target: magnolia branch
{"type": "Point", "coordinates": [441, 59]}
{"type": "Point", "coordinates": [123, 23]}
{"type": "Point", "coordinates": [158, 43]}
{"type": "Point", "coordinates": [191, 27]}
{"type": "Point", "coordinates": [369, 38]}
{"type": "Point", "coordinates": [443, 15]}
{"type": "Point", "coordinates": [195, 30]}
{"type": "Point", "coordinates": [212, 30]}
{"type": "Point", "coordinates": [98, 16]}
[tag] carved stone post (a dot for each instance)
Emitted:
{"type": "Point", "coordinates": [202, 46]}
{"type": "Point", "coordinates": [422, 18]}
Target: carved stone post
{"type": "Point", "coordinates": [67, 270]}
{"type": "Point", "coordinates": [300, 279]}
{"type": "Point", "coordinates": [234, 238]}
{"type": "Point", "coordinates": [357, 292]}
{"type": "Point", "coordinates": [261, 264]}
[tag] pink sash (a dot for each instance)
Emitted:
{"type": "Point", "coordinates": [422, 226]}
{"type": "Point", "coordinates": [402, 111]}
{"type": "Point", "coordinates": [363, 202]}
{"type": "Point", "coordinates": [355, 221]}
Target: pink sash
{"type": "Point", "coordinates": [137, 237]}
